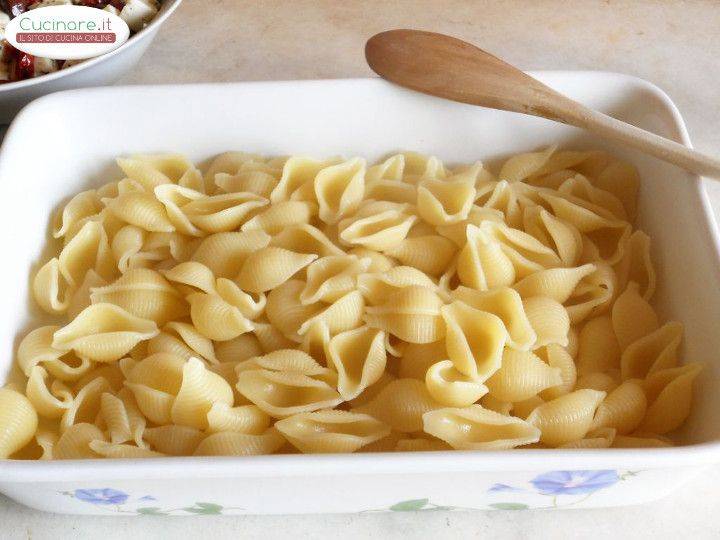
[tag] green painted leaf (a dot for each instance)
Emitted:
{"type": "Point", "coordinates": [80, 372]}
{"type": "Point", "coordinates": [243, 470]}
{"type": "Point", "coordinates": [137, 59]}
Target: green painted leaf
{"type": "Point", "coordinates": [150, 511]}
{"type": "Point", "coordinates": [409, 506]}
{"type": "Point", "coordinates": [204, 508]}
{"type": "Point", "coordinates": [509, 506]}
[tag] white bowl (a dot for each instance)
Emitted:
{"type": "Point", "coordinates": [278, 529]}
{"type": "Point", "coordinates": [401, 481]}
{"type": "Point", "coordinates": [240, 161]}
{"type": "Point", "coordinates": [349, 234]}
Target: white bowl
{"type": "Point", "coordinates": [99, 71]}
{"type": "Point", "coordinates": [71, 150]}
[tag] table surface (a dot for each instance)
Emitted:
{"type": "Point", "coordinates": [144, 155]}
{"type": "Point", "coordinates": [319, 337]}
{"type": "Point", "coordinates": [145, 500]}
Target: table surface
{"type": "Point", "coordinates": [671, 43]}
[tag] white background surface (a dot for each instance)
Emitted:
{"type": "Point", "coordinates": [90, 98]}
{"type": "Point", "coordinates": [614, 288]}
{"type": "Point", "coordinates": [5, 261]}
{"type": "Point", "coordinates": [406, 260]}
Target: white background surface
{"type": "Point", "coordinates": [672, 43]}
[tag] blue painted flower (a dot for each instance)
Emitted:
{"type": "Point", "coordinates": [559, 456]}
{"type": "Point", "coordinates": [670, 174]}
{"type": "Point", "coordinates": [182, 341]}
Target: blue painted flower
{"type": "Point", "coordinates": [101, 496]}
{"type": "Point", "coordinates": [147, 498]}
{"type": "Point", "coordinates": [573, 482]}
{"type": "Point", "coordinates": [504, 487]}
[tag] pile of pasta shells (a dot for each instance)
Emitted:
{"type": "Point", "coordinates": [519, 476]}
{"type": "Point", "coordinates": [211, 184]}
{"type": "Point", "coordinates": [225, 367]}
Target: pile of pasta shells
{"type": "Point", "coordinates": [294, 304]}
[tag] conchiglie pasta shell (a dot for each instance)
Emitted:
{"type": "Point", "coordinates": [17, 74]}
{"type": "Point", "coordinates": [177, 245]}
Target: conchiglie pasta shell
{"type": "Point", "coordinates": [183, 340]}
{"type": "Point", "coordinates": [450, 387]}
{"type": "Point", "coordinates": [421, 445]}
{"type": "Point", "coordinates": [48, 402]}
{"type": "Point", "coordinates": [492, 403]}
{"type": "Point", "coordinates": [18, 421]}
{"type": "Point", "coordinates": [281, 215]}
{"type": "Point", "coordinates": [142, 210]}
{"type": "Point", "coordinates": [174, 198]}
{"type": "Point", "coordinates": [622, 180]}
{"type": "Point", "coordinates": [476, 428]}
{"type": "Point", "coordinates": [236, 350]}
{"type": "Point", "coordinates": [378, 261]}
{"type": "Point", "coordinates": [445, 202]}
{"type": "Point", "coordinates": [233, 443]}
{"type": "Point", "coordinates": [81, 297]}
{"type": "Point", "coordinates": [558, 235]}
{"type": "Point", "coordinates": [306, 239]}
{"type": "Point", "coordinates": [286, 312]}
{"type": "Point", "coordinates": [372, 391]}
{"type": "Point", "coordinates": [270, 267]}
{"type": "Point", "coordinates": [555, 283]}
{"type": "Point", "coordinates": [669, 394]}
{"type": "Point", "coordinates": [154, 169]}
{"type": "Point", "coordinates": [627, 441]}
{"type": "Point", "coordinates": [377, 287]}
{"type": "Point", "coordinates": [252, 181]}
{"type": "Point", "coordinates": [521, 376]}
{"type": "Point", "coordinates": [143, 293]}
{"type": "Point", "coordinates": [86, 405]}
{"type": "Point", "coordinates": [297, 172]}
{"type": "Point", "coordinates": [599, 438]}
{"type": "Point", "coordinates": [121, 451]}
{"type": "Point", "coordinates": [331, 277]}
{"type": "Point", "coordinates": [390, 190]}
{"type": "Point", "coordinates": [339, 189]}
{"type": "Point", "coordinates": [331, 431]}
{"type": "Point", "coordinates": [598, 346]}
{"type": "Point", "coordinates": [216, 319]}
{"type": "Point", "coordinates": [82, 205]}
{"type": "Point", "coordinates": [245, 419]}
{"type": "Point", "coordinates": [103, 333]}
{"type": "Point", "coordinates": [162, 371]}
{"type": "Point", "coordinates": [636, 265]}
{"type": "Point", "coordinates": [222, 213]}
{"type": "Point", "coordinates": [36, 348]}
{"type": "Point", "coordinates": [417, 359]}
{"type": "Point", "coordinates": [75, 441]}
{"type": "Point", "coordinates": [549, 319]}
{"type": "Point", "coordinates": [116, 418]}
{"type": "Point", "coordinates": [623, 408]}
{"type": "Point", "coordinates": [521, 166]}
{"type": "Point", "coordinates": [381, 231]}
{"type": "Point", "coordinates": [359, 358]}
{"type": "Point", "coordinates": [567, 418]}
{"type": "Point", "coordinates": [474, 340]}
{"type": "Point", "coordinates": [48, 290]}
{"type": "Point", "coordinates": [271, 338]}
{"type": "Point", "coordinates": [174, 440]}
{"type": "Point", "coordinates": [156, 405]}
{"type": "Point", "coordinates": [430, 254]}
{"type": "Point", "coordinates": [411, 314]}
{"type": "Point", "coordinates": [231, 163]}
{"type": "Point", "coordinates": [506, 304]}
{"type": "Point", "coordinates": [651, 353]}
{"type": "Point", "coordinates": [224, 253]}
{"type": "Point", "coordinates": [401, 404]}
{"type": "Point", "coordinates": [482, 264]}
{"type": "Point", "coordinates": [284, 393]}
{"type": "Point", "coordinates": [597, 381]}
{"type": "Point", "coordinates": [342, 315]}
{"type": "Point", "coordinates": [632, 317]}
{"type": "Point", "coordinates": [199, 390]}
{"type": "Point", "coordinates": [290, 360]}
{"type": "Point", "coordinates": [558, 357]}
{"type": "Point", "coordinates": [194, 275]}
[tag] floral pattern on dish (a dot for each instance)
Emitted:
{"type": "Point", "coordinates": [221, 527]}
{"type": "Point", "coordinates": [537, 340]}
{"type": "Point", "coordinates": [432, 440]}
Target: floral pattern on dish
{"type": "Point", "coordinates": [574, 487]}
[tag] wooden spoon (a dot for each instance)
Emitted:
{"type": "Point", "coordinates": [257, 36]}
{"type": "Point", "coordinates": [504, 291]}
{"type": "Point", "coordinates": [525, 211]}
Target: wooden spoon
{"type": "Point", "coordinates": [453, 69]}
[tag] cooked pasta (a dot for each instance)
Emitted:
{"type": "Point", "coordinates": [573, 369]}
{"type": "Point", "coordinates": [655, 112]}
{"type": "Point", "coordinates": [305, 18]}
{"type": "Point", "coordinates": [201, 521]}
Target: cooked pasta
{"type": "Point", "coordinates": [324, 306]}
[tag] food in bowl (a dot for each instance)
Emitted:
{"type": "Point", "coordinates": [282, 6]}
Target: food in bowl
{"type": "Point", "coordinates": [16, 65]}
{"type": "Point", "coordinates": [294, 304]}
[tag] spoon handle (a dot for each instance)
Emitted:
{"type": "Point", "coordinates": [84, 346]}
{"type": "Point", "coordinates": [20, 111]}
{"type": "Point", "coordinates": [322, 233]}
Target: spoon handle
{"type": "Point", "coordinates": [691, 160]}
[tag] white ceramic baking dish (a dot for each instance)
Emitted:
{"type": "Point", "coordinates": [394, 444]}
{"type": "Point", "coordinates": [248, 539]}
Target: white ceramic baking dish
{"type": "Point", "coordinates": [66, 142]}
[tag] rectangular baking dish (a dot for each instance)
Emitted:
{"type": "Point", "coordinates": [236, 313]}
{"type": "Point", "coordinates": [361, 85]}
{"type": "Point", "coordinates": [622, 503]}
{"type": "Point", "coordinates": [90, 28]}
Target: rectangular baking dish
{"type": "Point", "coordinates": [66, 142]}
